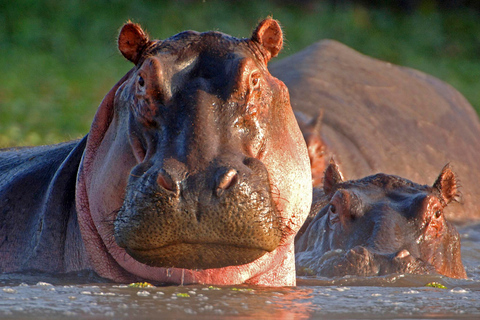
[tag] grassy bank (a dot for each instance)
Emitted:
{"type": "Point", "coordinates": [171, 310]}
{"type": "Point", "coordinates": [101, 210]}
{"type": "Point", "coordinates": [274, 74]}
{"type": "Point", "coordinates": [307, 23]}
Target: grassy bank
{"type": "Point", "coordinates": [59, 58]}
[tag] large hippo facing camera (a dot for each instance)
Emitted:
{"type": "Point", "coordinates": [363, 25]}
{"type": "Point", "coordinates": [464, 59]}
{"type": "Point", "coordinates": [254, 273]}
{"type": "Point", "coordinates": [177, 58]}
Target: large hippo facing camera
{"type": "Point", "coordinates": [381, 224]}
{"type": "Point", "coordinates": [194, 171]}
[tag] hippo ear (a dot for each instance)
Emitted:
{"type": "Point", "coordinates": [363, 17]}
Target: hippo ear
{"type": "Point", "coordinates": [332, 177]}
{"type": "Point", "coordinates": [447, 185]}
{"type": "Point", "coordinates": [132, 41]}
{"type": "Point", "coordinates": [269, 34]}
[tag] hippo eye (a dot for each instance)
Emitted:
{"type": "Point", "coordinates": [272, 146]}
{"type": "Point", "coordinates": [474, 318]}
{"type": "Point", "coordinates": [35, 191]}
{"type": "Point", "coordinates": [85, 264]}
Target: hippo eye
{"type": "Point", "coordinates": [332, 215]}
{"type": "Point", "coordinates": [438, 213]}
{"type": "Point", "coordinates": [141, 82]}
{"type": "Point", "coordinates": [255, 79]}
{"type": "Point", "coordinates": [332, 209]}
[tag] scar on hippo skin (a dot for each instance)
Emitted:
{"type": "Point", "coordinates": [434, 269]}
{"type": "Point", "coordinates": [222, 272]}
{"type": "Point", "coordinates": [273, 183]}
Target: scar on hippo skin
{"type": "Point", "coordinates": [381, 224]}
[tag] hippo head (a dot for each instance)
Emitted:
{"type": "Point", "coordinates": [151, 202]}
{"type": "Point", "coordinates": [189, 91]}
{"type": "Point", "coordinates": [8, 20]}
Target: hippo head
{"type": "Point", "coordinates": [382, 224]}
{"type": "Point", "coordinates": [195, 170]}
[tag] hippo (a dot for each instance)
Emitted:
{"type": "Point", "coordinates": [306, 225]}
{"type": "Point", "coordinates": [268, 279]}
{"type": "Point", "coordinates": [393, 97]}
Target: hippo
{"type": "Point", "coordinates": [194, 171]}
{"type": "Point", "coordinates": [373, 116]}
{"type": "Point", "coordinates": [381, 224]}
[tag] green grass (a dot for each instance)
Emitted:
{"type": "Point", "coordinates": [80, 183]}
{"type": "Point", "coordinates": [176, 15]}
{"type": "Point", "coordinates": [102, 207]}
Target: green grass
{"type": "Point", "coordinates": [59, 58]}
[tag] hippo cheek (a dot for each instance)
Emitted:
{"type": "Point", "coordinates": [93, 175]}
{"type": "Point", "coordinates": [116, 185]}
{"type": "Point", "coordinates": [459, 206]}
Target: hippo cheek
{"type": "Point", "coordinates": [288, 164]}
{"type": "Point", "coordinates": [108, 179]}
{"type": "Point", "coordinates": [198, 228]}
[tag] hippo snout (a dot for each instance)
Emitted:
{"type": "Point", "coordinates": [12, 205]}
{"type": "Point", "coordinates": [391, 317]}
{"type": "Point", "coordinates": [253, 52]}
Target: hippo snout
{"type": "Point", "coordinates": [220, 216]}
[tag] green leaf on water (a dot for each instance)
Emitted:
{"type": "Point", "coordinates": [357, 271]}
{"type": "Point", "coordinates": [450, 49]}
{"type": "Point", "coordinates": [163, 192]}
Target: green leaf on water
{"type": "Point", "coordinates": [435, 285]}
{"type": "Point", "coordinates": [140, 285]}
{"type": "Point", "coordinates": [242, 289]}
{"type": "Point", "coordinates": [213, 288]}
{"type": "Point", "coordinates": [183, 295]}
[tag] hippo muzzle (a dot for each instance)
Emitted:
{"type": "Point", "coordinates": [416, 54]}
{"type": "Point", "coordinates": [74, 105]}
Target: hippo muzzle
{"type": "Point", "coordinates": [225, 214]}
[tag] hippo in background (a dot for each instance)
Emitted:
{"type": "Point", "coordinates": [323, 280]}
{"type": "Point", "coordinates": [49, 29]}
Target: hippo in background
{"type": "Point", "coordinates": [381, 224]}
{"type": "Point", "coordinates": [372, 117]}
{"type": "Point", "coordinates": [194, 171]}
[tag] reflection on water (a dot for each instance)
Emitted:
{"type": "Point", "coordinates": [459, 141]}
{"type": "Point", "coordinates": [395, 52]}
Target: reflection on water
{"type": "Point", "coordinates": [399, 296]}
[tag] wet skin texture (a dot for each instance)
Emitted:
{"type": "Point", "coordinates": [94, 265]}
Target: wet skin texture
{"type": "Point", "coordinates": [379, 225]}
{"type": "Point", "coordinates": [194, 171]}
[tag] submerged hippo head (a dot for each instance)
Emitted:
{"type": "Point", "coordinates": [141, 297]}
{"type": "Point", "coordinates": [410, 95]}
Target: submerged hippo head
{"type": "Point", "coordinates": [382, 224]}
{"type": "Point", "coordinates": [195, 170]}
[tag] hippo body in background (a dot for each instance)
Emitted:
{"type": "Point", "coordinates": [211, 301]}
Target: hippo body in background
{"type": "Point", "coordinates": [379, 225]}
{"type": "Point", "coordinates": [38, 220]}
{"type": "Point", "coordinates": [194, 171]}
{"type": "Point", "coordinates": [377, 117]}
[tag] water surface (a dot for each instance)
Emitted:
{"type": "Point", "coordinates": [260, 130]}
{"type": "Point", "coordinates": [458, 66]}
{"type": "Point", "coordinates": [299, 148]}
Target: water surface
{"type": "Point", "coordinates": [397, 296]}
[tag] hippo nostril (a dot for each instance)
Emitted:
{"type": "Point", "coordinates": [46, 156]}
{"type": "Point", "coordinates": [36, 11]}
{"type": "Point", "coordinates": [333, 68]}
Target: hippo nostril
{"type": "Point", "coordinates": [227, 180]}
{"type": "Point", "coordinates": [166, 182]}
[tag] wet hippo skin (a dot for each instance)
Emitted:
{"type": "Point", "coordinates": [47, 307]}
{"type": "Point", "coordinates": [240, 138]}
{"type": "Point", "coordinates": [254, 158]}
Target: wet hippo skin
{"type": "Point", "coordinates": [381, 224]}
{"type": "Point", "coordinates": [194, 171]}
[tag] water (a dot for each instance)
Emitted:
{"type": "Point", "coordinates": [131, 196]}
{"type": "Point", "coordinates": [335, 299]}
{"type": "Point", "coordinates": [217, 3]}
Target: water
{"type": "Point", "coordinates": [391, 297]}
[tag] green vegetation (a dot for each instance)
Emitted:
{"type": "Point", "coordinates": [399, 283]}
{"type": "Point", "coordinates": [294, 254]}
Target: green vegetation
{"type": "Point", "coordinates": [140, 285]}
{"type": "Point", "coordinates": [437, 285]}
{"type": "Point", "coordinates": [59, 57]}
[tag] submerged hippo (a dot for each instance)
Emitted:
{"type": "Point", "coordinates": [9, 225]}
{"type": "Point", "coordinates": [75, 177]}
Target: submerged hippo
{"type": "Point", "coordinates": [194, 171]}
{"type": "Point", "coordinates": [372, 116]}
{"type": "Point", "coordinates": [381, 224]}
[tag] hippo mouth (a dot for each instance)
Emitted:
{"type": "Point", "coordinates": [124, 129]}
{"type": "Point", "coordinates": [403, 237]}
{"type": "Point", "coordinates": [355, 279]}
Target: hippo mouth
{"type": "Point", "coordinates": [363, 261]}
{"type": "Point", "coordinates": [197, 255]}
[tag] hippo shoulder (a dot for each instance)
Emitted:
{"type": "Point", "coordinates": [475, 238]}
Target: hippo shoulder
{"type": "Point", "coordinates": [36, 204]}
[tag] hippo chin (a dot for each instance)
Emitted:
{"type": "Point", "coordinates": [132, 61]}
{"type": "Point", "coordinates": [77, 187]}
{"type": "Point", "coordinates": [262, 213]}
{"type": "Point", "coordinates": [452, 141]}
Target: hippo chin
{"type": "Point", "coordinates": [379, 225]}
{"type": "Point", "coordinates": [194, 171]}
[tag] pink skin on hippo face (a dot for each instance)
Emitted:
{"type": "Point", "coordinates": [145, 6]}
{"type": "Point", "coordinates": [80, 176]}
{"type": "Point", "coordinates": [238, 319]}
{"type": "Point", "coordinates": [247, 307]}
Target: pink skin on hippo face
{"type": "Point", "coordinates": [381, 224]}
{"type": "Point", "coordinates": [195, 170]}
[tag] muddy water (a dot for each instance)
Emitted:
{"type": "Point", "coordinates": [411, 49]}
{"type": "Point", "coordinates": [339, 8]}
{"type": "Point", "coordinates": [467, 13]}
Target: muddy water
{"type": "Point", "coordinates": [399, 296]}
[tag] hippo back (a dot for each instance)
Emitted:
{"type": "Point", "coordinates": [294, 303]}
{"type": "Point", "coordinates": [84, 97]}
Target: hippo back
{"type": "Point", "coordinates": [38, 220]}
{"type": "Point", "coordinates": [378, 117]}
